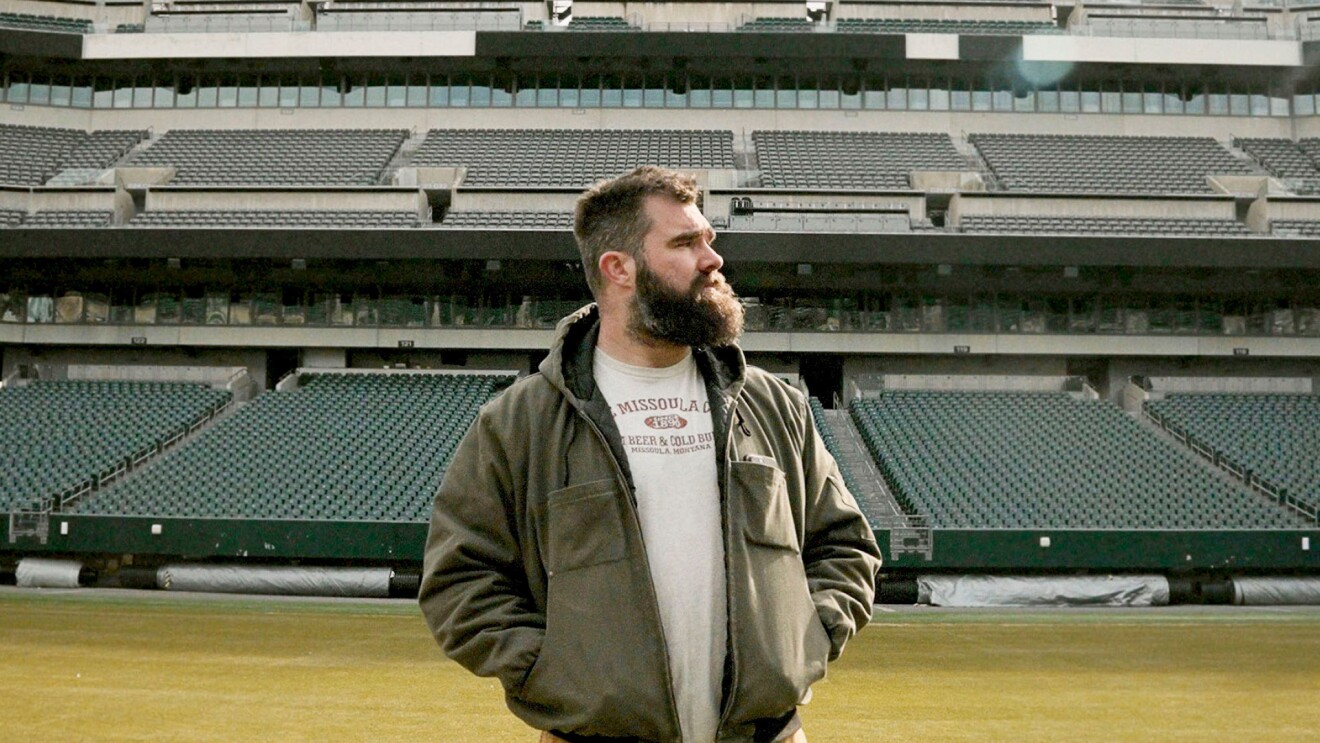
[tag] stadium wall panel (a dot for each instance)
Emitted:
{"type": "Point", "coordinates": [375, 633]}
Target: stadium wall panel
{"type": "Point", "coordinates": [1307, 208]}
{"type": "Point", "coordinates": [990, 48]}
{"type": "Point", "coordinates": [279, 45]}
{"type": "Point", "coordinates": [1139, 50]}
{"type": "Point", "coordinates": [685, 11]}
{"type": "Point", "coordinates": [660, 44]}
{"type": "Point", "coordinates": [1302, 365]}
{"type": "Point", "coordinates": [167, 198]}
{"type": "Point", "coordinates": [976, 550]}
{"type": "Point", "coordinates": [999, 203]}
{"type": "Point", "coordinates": [956, 10]}
{"type": "Point", "coordinates": [54, 45]}
{"type": "Point", "coordinates": [1174, 551]}
{"type": "Point", "coordinates": [500, 359]}
{"type": "Point", "coordinates": [1311, 53]}
{"type": "Point", "coordinates": [84, 198]}
{"type": "Point", "coordinates": [208, 538]}
{"type": "Point", "coordinates": [1016, 366]}
{"type": "Point", "coordinates": [494, 200]}
{"type": "Point", "coordinates": [83, 354]}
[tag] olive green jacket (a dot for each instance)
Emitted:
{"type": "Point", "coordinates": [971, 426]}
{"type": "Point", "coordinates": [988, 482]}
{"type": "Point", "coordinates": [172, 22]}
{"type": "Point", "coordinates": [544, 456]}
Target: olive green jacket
{"type": "Point", "coordinates": [535, 571]}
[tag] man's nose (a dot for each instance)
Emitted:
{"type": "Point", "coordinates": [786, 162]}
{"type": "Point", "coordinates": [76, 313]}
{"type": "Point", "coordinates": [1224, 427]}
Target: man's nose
{"type": "Point", "coordinates": [709, 260]}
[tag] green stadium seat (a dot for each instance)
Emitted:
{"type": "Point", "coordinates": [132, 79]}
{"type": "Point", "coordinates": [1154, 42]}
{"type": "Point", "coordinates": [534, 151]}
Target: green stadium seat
{"type": "Point", "coordinates": [1045, 460]}
{"type": "Point", "coordinates": [343, 447]}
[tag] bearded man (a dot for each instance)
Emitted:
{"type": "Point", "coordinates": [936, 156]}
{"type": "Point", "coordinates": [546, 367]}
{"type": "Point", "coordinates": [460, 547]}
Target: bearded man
{"type": "Point", "coordinates": [647, 540]}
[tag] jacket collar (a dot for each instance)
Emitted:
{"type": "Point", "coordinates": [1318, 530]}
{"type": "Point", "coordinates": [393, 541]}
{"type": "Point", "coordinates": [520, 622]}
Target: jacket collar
{"type": "Point", "coordinates": [569, 364]}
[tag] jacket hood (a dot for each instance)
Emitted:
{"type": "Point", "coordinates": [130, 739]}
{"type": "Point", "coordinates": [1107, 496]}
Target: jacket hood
{"type": "Point", "coordinates": [568, 366]}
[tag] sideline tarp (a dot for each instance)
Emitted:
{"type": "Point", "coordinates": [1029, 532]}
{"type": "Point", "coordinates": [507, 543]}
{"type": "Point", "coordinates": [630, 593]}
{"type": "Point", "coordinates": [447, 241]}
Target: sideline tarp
{"type": "Point", "coordinates": [292, 581]}
{"type": "Point", "coordinates": [1090, 590]}
{"type": "Point", "coordinates": [1276, 591]}
{"type": "Point", "coordinates": [35, 572]}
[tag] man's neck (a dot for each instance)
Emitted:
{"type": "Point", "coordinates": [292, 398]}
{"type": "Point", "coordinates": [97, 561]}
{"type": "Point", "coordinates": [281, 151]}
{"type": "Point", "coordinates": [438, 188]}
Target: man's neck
{"type": "Point", "coordinates": [622, 345]}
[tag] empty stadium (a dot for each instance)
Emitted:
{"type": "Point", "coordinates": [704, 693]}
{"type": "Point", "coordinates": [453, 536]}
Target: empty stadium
{"type": "Point", "coordinates": [1048, 271]}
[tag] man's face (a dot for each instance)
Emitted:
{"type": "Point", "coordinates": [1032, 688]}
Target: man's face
{"type": "Point", "coordinates": [681, 297]}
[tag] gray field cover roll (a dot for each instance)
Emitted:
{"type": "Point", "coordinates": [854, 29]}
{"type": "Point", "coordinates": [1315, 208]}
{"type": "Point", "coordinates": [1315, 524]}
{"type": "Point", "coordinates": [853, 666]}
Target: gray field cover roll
{"type": "Point", "coordinates": [992, 590]}
{"type": "Point", "coordinates": [34, 572]}
{"type": "Point", "coordinates": [1276, 591]}
{"type": "Point", "coordinates": [293, 581]}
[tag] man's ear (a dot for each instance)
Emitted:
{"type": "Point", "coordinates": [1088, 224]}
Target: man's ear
{"type": "Point", "coordinates": [618, 268]}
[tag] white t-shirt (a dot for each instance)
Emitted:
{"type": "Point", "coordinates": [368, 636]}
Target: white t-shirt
{"type": "Point", "coordinates": [664, 418]}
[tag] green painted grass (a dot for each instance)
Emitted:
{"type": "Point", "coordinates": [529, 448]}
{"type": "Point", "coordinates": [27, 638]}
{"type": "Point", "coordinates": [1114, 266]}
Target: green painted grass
{"type": "Point", "coordinates": [131, 666]}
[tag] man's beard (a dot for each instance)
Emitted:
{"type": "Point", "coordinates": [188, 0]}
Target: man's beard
{"type": "Point", "coordinates": [707, 314]}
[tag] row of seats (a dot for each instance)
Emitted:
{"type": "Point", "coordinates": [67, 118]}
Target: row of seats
{"type": "Point", "coordinates": [577, 157]}
{"type": "Point", "coordinates": [504, 220]}
{"type": "Point", "coordinates": [817, 223]}
{"type": "Point", "coordinates": [1298, 162]}
{"type": "Point", "coordinates": [274, 156]}
{"type": "Point", "coordinates": [1024, 460]}
{"type": "Point", "coordinates": [852, 160]}
{"type": "Point", "coordinates": [1281, 157]}
{"type": "Point", "coordinates": [32, 22]}
{"type": "Point", "coordinates": [276, 218]}
{"type": "Point", "coordinates": [1275, 436]}
{"type": "Point", "coordinates": [268, 218]}
{"type": "Point", "coordinates": [569, 157]}
{"type": "Point", "coordinates": [1106, 226]}
{"type": "Point", "coordinates": [775, 24]}
{"type": "Point", "coordinates": [262, 20]}
{"type": "Point", "coordinates": [58, 437]}
{"type": "Point", "coordinates": [69, 218]}
{"type": "Point", "coordinates": [966, 459]}
{"type": "Point", "coordinates": [945, 26]}
{"type": "Point", "coordinates": [56, 218]}
{"type": "Point", "coordinates": [1295, 228]}
{"type": "Point", "coordinates": [599, 23]}
{"type": "Point", "coordinates": [355, 447]}
{"type": "Point", "coordinates": [31, 155]}
{"type": "Point", "coordinates": [842, 221]}
{"type": "Point", "coordinates": [1105, 164]}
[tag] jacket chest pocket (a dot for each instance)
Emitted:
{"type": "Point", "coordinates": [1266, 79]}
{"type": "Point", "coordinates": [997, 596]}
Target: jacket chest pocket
{"type": "Point", "coordinates": [762, 493]}
{"type": "Point", "coordinates": [582, 526]}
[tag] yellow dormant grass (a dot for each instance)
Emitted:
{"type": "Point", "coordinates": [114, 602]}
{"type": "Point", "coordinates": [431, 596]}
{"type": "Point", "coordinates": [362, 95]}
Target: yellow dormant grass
{"type": "Point", "coordinates": [130, 666]}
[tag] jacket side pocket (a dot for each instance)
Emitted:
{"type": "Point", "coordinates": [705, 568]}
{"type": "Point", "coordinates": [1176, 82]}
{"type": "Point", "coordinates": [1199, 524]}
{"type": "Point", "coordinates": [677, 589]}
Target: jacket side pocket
{"type": "Point", "coordinates": [583, 526]}
{"type": "Point", "coordinates": [781, 645]}
{"type": "Point", "coordinates": [768, 519]}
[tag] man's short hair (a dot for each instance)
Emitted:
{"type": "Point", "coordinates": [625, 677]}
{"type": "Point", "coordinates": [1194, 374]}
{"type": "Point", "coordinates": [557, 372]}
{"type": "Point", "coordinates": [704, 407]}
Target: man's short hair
{"type": "Point", "coordinates": [612, 214]}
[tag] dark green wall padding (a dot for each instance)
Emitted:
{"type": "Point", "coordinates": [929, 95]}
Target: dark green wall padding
{"type": "Point", "coordinates": [996, 550]}
{"type": "Point", "coordinates": [401, 543]}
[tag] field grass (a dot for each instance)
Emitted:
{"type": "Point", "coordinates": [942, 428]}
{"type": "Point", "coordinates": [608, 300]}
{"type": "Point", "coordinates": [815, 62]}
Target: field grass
{"type": "Point", "coordinates": [135, 666]}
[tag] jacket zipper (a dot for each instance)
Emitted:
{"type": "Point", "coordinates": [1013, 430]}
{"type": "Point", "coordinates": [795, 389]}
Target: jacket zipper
{"type": "Point", "coordinates": [728, 580]}
{"type": "Point", "coordinates": [655, 601]}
